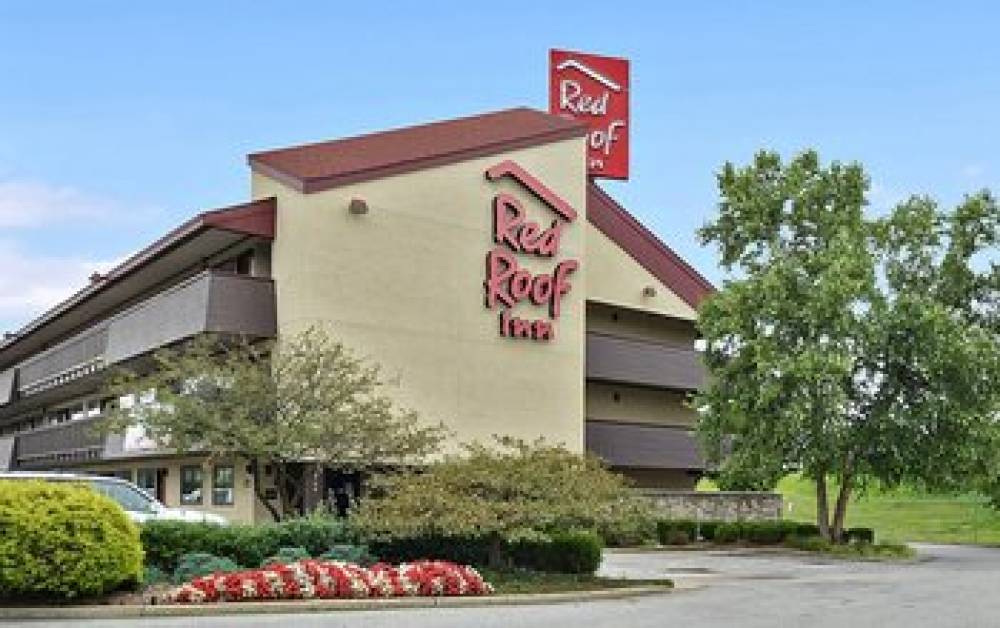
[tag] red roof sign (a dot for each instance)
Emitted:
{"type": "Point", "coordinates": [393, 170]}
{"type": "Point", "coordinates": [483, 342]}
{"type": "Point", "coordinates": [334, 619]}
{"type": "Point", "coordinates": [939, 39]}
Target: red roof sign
{"type": "Point", "coordinates": [594, 90]}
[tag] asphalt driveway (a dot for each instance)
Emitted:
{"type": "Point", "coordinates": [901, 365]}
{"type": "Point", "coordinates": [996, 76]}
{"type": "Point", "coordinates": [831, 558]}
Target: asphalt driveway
{"type": "Point", "coordinates": [950, 587]}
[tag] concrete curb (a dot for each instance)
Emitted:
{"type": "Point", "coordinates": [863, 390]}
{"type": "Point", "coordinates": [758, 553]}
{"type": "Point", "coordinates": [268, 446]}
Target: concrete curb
{"type": "Point", "coordinates": [319, 606]}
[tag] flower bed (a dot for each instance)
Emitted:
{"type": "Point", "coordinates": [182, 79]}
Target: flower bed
{"type": "Point", "coordinates": [308, 579]}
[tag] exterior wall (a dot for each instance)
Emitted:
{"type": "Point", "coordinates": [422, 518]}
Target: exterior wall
{"type": "Point", "coordinates": [634, 404]}
{"type": "Point", "coordinates": [246, 507]}
{"type": "Point", "coordinates": [718, 506]}
{"type": "Point", "coordinates": [403, 285]}
{"type": "Point", "coordinates": [615, 278]}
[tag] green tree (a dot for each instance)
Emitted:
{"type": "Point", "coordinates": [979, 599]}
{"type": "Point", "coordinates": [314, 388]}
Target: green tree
{"type": "Point", "coordinates": [855, 347]}
{"type": "Point", "coordinates": [506, 492]}
{"type": "Point", "coordinates": [307, 397]}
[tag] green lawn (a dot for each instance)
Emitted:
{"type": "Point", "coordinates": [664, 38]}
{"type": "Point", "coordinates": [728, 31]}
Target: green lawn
{"type": "Point", "coordinates": [903, 515]}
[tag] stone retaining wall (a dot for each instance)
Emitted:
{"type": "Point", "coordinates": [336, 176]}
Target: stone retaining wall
{"type": "Point", "coordinates": [717, 506]}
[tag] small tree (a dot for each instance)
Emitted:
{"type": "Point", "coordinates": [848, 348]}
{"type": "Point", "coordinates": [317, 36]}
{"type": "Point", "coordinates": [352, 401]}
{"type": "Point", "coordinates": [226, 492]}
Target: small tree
{"type": "Point", "coordinates": [305, 398]}
{"type": "Point", "coordinates": [847, 346]}
{"type": "Point", "coordinates": [507, 492]}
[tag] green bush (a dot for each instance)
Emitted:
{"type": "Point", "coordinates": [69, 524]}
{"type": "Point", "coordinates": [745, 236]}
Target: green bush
{"type": "Point", "coordinates": [154, 575]}
{"type": "Point", "coordinates": [166, 541]}
{"type": "Point", "coordinates": [676, 531]}
{"type": "Point", "coordinates": [286, 555]}
{"type": "Point", "coordinates": [197, 564]}
{"type": "Point", "coordinates": [568, 552]}
{"type": "Point", "coordinates": [859, 535]}
{"type": "Point", "coordinates": [708, 529]}
{"type": "Point", "coordinates": [728, 533]}
{"type": "Point", "coordinates": [65, 540]}
{"type": "Point", "coordinates": [347, 553]}
{"type": "Point", "coordinates": [808, 543]}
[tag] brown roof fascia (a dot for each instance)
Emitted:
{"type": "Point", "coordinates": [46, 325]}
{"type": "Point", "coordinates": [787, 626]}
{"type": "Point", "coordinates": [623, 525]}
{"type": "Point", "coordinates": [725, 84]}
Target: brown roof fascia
{"type": "Point", "coordinates": [562, 129]}
{"type": "Point", "coordinates": [256, 218]}
{"type": "Point", "coordinates": [643, 246]}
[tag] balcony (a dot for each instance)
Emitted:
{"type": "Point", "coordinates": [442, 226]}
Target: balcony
{"type": "Point", "coordinates": [210, 302]}
{"type": "Point", "coordinates": [72, 441]}
{"type": "Point", "coordinates": [626, 361]}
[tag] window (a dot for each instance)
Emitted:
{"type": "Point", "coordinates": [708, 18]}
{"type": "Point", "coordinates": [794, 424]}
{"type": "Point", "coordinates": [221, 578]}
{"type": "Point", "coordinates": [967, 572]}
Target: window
{"type": "Point", "coordinates": [222, 485]}
{"type": "Point", "coordinates": [125, 474]}
{"type": "Point", "coordinates": [146, 480]}
{"type": "Point", "coordinates": [244, 263]}
{"type": "Point", "coordinates": [192, 485]}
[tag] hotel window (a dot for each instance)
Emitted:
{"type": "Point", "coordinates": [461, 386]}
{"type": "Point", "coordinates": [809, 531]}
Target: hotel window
{"type": "Point", "coordinates": [192, 485]}
{"type": "Point", "coordinates": [244, 263]}
{"type": "Point", "coordinates": [145, 478]}
{"type": "Point", "coordinates": [223, 485]}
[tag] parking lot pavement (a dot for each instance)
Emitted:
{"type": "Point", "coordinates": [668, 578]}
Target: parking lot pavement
{"type": "Point", "coordinates": [950, 587]}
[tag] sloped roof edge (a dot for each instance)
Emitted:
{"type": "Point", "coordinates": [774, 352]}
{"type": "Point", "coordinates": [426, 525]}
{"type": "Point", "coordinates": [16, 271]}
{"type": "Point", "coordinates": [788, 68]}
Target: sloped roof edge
{"type": "Point", "coordinates": [614, 221]}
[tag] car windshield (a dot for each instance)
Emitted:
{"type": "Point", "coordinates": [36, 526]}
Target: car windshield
{"type": "Point", "coordinates": [126, 496]}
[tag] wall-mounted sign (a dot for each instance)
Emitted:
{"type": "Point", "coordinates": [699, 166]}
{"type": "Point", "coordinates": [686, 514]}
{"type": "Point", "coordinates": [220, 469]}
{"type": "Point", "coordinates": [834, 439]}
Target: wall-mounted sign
{"type": "Point", "coordinates": [508, 283]}
{"type": "Point", "coordinates": [594, 89]}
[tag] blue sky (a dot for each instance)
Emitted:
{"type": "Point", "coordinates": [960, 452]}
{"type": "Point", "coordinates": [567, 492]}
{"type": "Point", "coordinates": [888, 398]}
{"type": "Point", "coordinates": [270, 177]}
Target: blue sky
{"type": "Point", "coordinates": [120, 120]}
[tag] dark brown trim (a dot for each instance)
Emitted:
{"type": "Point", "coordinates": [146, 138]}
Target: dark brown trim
{"type": "Point", "coordinates": [267, 162]}
{"type": "Point", "coordinates": [650, 252]}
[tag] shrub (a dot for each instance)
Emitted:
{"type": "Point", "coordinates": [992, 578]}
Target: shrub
{"type": "Point", "coordinates": [201, 564]}
{"type": "Point", "coordinates": [285, 556]}
{"type": "Point", "coordinates": [568, 552]}
{"type": "Point", "coordinates": [154, 575]}
{"type": "Point", "coordinates": [808, 543]}
{"type": "Point", "coordinates": [728, 533]}
{"type": "Point", "coordinates": [708, 529]}
{"type": "Point", "coordinates": [676, 531]}
{"type": "Point", "coordinates": [763, 532]}
{"type": "Point", "coordinates": [65, 540]}
{"type": "Point", "coordinates": [346, 553]}
{"type": "Point", "coordinates": [633, 526]}
{"type": "Point", "coordinates": [166, 541]}
{"type": "Point", "coordinates": [505, 492]}
{"type": "Point", "coordinates": [859, 535]}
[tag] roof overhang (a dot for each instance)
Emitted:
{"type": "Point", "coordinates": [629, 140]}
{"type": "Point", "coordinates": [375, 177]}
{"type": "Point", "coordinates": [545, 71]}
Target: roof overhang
{"type": "Point", "coordinates": [183, 248]}
{"type": "Point", "coordinates": [614, 221]}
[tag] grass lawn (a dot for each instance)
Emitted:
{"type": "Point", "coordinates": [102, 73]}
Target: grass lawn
{"type": "Point", "coordinates": [519, 581]}
{"type": "Point", "coordinates": [903, 515]}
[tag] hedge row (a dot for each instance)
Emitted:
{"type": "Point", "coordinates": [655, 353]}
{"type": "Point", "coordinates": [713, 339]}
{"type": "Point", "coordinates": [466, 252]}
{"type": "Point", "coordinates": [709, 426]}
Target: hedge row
{"type": "Point", "coordinates": [247, 545]}
{"type": "Point", "coordinates": [568, 552]}
{"type": "Point", "coordinates": [166, 542]}
{"type": "Point", "coordinates": [679, 532]}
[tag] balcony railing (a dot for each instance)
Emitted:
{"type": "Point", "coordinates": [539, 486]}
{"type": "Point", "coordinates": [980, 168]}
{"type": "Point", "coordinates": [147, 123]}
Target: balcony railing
{"type": "Point", "coordinates": [76, 440]}
{"type": "Point", "coordinates": [628, 361]}
{"type": "Point", "coordinates": [212, 301]}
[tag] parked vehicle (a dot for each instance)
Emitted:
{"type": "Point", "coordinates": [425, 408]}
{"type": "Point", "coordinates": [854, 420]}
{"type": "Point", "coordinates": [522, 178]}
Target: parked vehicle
{"type": "Point", "coordinates": [139, 505]}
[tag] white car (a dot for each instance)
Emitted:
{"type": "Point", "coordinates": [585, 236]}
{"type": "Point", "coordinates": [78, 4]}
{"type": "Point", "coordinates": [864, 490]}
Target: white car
{"type": "Point", "coordinates": [136, 503]}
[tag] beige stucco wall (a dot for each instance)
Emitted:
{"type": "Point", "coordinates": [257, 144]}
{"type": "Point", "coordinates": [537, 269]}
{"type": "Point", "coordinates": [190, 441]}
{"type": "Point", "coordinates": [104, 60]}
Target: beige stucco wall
{"type": "Point", "coordinates": [638, 405]}
{"type": "Point", "coordinates": [614, 277]}
{"type": "Point", "coordinates": [403, 285]}
{"type": "Point", "coordinates": [245, 508]}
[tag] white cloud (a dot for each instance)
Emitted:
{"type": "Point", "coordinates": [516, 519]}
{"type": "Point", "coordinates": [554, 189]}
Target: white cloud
{"type": "Point", "coordinates": [34, 204]}
{"type": "Point", "coordinates": [29, 284]}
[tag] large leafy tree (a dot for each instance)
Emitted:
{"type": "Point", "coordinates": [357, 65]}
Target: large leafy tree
{"type": "Point", "coordinates": [307, 397]}
{"type": "Point", "coordinates": [852, 347]}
